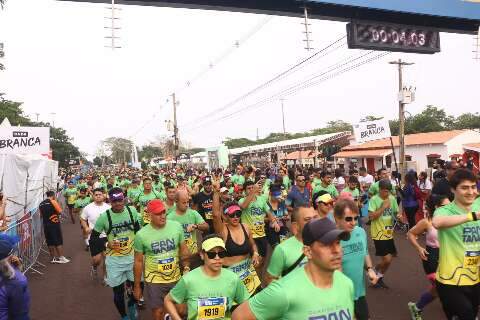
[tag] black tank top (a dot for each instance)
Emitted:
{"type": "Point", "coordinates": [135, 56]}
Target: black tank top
{"type": "Point", "coordinates": [234, 249]}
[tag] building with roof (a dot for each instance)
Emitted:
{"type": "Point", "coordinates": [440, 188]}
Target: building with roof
{"type": "Point", "coordinates": [268, 153]}
{"type": "Point", "coordinates": [421, 150]}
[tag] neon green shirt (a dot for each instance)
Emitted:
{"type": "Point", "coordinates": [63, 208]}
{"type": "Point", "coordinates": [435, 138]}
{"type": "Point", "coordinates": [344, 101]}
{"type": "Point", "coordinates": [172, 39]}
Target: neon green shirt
{"type": "Point", "coordinates": [122, 230]}
{"type": "Point", "coordinates": [161, 251]}
{"type": "Point", "coordinates": [382, 227]}
{"type": "Point", "coordinates": [295, 297]}
{"type": "Point", "coordinates": [189, 217]}
{"type": "Point", "coordinates": [82, 203]}
{"type": "Point", "coordinates": [142, 201]}
{"type": "Point", "coordinates": [374, 189]}
{"type": "Point", "coordinates": [285, 255]}
{"type": "Point", "coordinates": [355, 192]}
{"type": "Point", "coordinates": [71, 195]}
{"type": "Point", "coordinates": [238, 180]}
{"type": "Point", "coordinates": [254, 216]}
{"type": "Point", "coordinates": [330, 189]}
{"type": "Point", "coordinates": [207, 297]}
{"type": "Point", "coordinates": [459, 260]}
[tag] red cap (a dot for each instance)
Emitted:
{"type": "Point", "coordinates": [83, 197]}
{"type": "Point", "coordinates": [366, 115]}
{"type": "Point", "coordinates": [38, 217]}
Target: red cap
{"type": "Point", "coordinates": [155, 206]}
{"type": "Point", "coordinates": [237, 189]}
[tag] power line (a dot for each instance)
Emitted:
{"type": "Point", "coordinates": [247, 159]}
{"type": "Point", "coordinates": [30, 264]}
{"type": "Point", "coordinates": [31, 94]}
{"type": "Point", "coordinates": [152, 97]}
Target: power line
{"type": "Point", "coordinates": [298, 87]}
{"type": "Point", "coordinates": [272, 80]}
{"type": "Point", "coordinates": [243, 39]}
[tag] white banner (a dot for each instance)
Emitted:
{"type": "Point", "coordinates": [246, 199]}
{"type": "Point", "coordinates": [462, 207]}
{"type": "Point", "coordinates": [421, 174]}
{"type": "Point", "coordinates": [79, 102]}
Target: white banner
{"type": "Point", "coordinates": [371, 130]}
{"type": "Point", "coordinates": [24, 140]}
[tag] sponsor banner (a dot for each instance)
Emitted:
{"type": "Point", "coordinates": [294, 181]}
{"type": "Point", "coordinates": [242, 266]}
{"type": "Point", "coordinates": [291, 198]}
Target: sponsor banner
{"type": "Point", "coordinates": [371, 130]}
{"type": "Point", "coordinates": [24, 140]}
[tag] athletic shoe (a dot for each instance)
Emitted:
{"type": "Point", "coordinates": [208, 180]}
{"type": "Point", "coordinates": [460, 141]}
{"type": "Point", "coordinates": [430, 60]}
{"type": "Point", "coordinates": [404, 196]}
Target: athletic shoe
{"type": "Point", "coordinates": [415, 313]}
{"type": "Point", "coordinates": [63, 260]}
{"type": "Point", "coordinates": [93, 272]}
{"type": "Point", "coordinates": [54, 260]}
{"type": "Point", "coordinates": [141, 303]}
{"type": "Point", "coordinates": [125, 318]}
{"type": "Point", "coordinates": [380, 284]}
{"type": "Point", "coordinates": [132, 312]}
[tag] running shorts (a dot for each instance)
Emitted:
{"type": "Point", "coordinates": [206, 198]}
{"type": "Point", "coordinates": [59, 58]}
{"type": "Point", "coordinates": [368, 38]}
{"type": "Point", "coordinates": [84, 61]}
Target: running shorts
{"type": "Point", "coordinates": [430, 266]}
{"type": "Point", "coordinates": [97, 247]}
{"type": "Point", "coordinates": [70, 205]}
{"type": "Point", "coordinates": [119, 270]}
{"type": "Point", "coordinates": [384, 247]}
{"type": "Point", "coordinates": [459, 302]}
{"type": "Point", "coordinates": [53, 234]}
{"type": "Point", "coordinates": [361, 309]}
{"type": "Point", "coordinates": [262, 244]}
{"type": "Point", "coordinates": [156, 292]}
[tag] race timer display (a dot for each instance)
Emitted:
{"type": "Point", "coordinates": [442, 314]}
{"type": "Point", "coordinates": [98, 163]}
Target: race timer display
{"type": "Point", "coordinates": [388, 37]}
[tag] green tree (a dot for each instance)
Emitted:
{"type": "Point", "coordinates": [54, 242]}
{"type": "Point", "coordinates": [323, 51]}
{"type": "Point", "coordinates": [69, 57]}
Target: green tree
{"type": "Point", "coordinates": [371, 118]}
{"type": "Point", "coordinates": [148, 152]}
{"type": "Point", "coordinates": [118, 149]}
{"type": "Point", "coordinates": [467, 121]}
{"type": "Point", "coordinates": [97, 161]}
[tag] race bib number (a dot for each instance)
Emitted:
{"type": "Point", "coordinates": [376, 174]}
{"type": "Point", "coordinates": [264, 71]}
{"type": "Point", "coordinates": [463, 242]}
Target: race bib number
{"type": "Point", "coordinates": [146, 218]}
{"type": "Point", "coordinates": [71, 198]}
{"type": "Point", "coordinates": [123, 242]}
{"type": "Point", "coordinates": [212, 308]}
{"type": "Point", "coordinates": [166, 265]}
{"type": "Point", "coordinates": [259, 228]}
{"type": "Point", "coordinates": [283, 238]}
{"type": "Point", "coordinates": [388, 231]}
{"type": "Point", "coordinates": [209, 215]}
{"type": "Point", "coordinates": [471, 259]}
{"type": "Point", "coordinates": [250, 280]}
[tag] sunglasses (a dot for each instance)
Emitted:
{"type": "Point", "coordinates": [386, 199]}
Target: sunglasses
{"type": "Point", "coordinates": [327, 203]}
{"type": "Point", "coordinates": [236, 214]}
{"type": "Point", "coordinates": [350, 219]}
{"type": "Point", "coordinates": [212, 254]}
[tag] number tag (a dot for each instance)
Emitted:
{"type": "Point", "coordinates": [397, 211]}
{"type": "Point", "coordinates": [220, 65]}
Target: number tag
{"type": "Point", "coordinates": [471, 259]}
{"type": "Point", "coordinates": [250, 280]}
{"type": "Point", "coordinates": [212, 308]}
{"type": "Point", "coordinates": [146, 218]}
{"type": "Point", "coordinates": [123, 242]}
{"type": "Point", "coordinates": [259, 228]}
{"type": "Point", "coordinates": [166, 265]}
{"type": "Point", "coordinates": [209, 215]}
{"type": "Point", "coordinates": [388, 231]}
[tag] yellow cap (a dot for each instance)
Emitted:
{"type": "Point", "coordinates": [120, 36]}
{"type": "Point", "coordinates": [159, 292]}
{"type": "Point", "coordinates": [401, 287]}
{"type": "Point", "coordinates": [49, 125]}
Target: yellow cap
{"type": "Point", "coordinates": [211, 243]}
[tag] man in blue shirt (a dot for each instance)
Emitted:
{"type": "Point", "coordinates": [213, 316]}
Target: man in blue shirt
{"type": "Point", "coordinates": [356, 259]}
{"type": "Point", "coordinates": [299, 195]}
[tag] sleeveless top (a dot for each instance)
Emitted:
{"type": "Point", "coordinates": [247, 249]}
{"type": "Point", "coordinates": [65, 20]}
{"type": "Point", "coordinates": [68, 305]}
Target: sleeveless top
{"type": "Point", "coordinates": [432, 238]}
{"type": "Point", "coordinates": [234, 249]}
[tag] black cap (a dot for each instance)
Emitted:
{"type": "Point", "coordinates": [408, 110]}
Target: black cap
{"type": "Point", "coordinates": [323, 230]}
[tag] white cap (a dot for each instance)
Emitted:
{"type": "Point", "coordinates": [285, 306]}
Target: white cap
{"type": "Point", "coordinates": [223, 189]}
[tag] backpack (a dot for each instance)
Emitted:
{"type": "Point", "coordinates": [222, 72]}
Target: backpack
{"type": "Point", "coordinates": [132, 225]}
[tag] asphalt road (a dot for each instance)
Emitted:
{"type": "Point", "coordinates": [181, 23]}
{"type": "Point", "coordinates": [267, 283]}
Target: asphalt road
{"type": "Point", "coordinates": [66, 292]}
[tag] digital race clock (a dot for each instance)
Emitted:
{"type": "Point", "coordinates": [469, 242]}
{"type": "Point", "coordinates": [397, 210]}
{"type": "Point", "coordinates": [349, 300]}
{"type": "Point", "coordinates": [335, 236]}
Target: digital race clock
{"type": "Point", "coordinates": [389, 37]}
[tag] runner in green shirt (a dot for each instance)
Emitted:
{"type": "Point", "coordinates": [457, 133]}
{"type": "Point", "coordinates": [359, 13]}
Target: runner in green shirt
{"type": "Point", "coordinates": [458, 225]}
{"type": "Point", "coordinates": [190, 220]}
{"type": "Point", "coordinates": [288, 255]}
{"type": "Point", "coordinates": [210, 290]}
{"type": "Point", "coordinates": [356, 259]}
{"type": "Point", "coordinates": [134, 190]}
{"type": "Point", "coordinates": [382, 211]}
{"type": "Point", "coordinates": [382, 175]}
{"type": "Point", "coordinates": [316, 291]}
{"type": "Point", "coordinates": [142, 200]}
{"type": "Point", "coordinates": [120, 223]}
{"type": "Point", "coordinates": [70, 195]}
{"type": "Point", "coordinates": [159, 249]}
{"type": "Point", "coordinates": [326, 185]}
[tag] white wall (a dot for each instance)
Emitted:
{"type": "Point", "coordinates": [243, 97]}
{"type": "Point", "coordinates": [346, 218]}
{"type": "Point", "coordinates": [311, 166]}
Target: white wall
{"type": "Point", "coordinates": [455, 145]}
{"type": "Point", "coordinates": [419, 153]}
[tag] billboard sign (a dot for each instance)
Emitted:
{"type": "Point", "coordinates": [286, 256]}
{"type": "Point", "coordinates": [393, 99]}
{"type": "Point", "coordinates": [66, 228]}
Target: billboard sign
{"type": "Point", "coordinates": [371, 130]}
{"type": "Point", "coordinates": [462, 9]}
{"type": "Point", "coordinates": [24, 140]}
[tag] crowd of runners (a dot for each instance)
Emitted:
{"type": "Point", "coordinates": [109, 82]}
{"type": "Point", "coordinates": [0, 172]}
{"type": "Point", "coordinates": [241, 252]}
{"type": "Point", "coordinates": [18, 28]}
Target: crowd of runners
{"type": "Point", "coordinates": [271, 243]}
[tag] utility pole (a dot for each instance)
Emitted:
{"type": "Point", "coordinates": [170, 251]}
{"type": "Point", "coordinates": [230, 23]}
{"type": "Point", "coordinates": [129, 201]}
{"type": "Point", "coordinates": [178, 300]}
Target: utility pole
{"type": "Point", "coordinates": [37, 115]}
{"type": "Point", "coordinates": [175, 129]}
{"type": "Point", "coordinates": [53, 114]}
{"type": "Point", "coordinates": [401, 115]}
{"type": "Point", "coordinates": [307, 31]}
{"type": "Point", "coordinates": [257, 134]}
{"type": "Point", "coordinates": [283, 117]}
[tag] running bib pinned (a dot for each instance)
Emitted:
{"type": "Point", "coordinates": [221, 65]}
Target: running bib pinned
{"type": "Point", "coordinates": [212, 308]}
{"type": "Point", "coordinates": [250, 280]}
{"type": "Point", "coordinates": [209, 215]}
{"type": "Point", "coordinates": [123, 242]}
{"type": "Point", "coordinates": [166, 265]}
{"type": "Point", "coordinates": [259, 228]}
{"type": "Point", "coordinates": [471, 259]}
{"type": "Point", "coordinates": [388, 231]}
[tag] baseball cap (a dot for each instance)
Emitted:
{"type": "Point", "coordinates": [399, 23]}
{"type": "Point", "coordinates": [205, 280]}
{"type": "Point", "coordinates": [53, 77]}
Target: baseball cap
{"type": "Point", "coordinates": [323, 230]}
{"type": "Point", "coordinates": [325, 198]}
{"type": "Point", "coordinates": [116, 194]}
{"type": "Point", "coordinates": [237, 189]}
{"type": "Point", "coordinates": [155, 207]}
{"type": "Point", "coordinates": [7, 243]}
{"type": "Point", "coordinates": [207, 179]}
{"type": "Point", "coordinates": [277, 194]}
{"type": "Point", "coordinates": [223, 189]}
{"type": "Point", "coordinates": [211, 243]}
